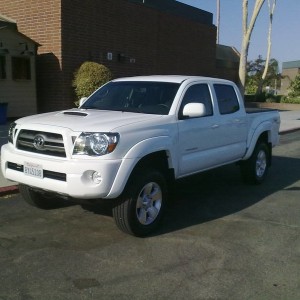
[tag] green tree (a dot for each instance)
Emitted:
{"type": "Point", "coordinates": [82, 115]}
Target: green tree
{"type": "Point", "coordinates": [294, 89]}
{"type": "Point", "coordinates": [251, 85]}
{"type": "Point", "coordinates": [254, 72]}
{"type": "Point", "coordinates": [255, 69]}
{"type": "Point", "coordinates": [89, 77]}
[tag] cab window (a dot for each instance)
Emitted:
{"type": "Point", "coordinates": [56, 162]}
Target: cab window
{"type": "Point", "coordinates": [227, 99]}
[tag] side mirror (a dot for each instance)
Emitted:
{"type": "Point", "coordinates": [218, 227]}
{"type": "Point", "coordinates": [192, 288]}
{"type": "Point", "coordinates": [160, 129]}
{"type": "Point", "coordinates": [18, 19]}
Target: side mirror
{"type": "Point", "coordinates": [82, 100]}
{"type": "Point", "coordinates": [194, 110]}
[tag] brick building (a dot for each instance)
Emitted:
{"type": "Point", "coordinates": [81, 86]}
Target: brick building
{"type": "Point", "coordinates": [131, 37]}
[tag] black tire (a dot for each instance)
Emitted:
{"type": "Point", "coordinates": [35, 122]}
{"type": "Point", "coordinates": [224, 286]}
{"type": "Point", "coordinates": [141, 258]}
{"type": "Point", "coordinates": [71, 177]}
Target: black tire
{"type": "Point", "coordinates": [254, 170]}
{"type": "Point", "coordinates": [140, 208]}
{"type": "Point", "coordinates": [37, 199]}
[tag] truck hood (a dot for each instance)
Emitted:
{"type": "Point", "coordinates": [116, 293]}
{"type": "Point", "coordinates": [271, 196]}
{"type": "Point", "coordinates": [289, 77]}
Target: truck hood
{"type": "Point", "coordinates": [87, 120]}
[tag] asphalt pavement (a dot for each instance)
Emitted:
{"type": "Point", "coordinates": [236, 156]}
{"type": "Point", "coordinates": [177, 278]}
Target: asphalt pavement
{"type": "Point", "coordinates": [290, 121]}
{"type": "Point", "coordinates": [219, 239]}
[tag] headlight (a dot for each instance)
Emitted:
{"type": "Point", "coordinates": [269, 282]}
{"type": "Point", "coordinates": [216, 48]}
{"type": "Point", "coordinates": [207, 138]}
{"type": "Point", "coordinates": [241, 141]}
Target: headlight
{"type": "Point", "coordinates": [95, 144]}
{"type": "Point", "coordinates": [11, 132]}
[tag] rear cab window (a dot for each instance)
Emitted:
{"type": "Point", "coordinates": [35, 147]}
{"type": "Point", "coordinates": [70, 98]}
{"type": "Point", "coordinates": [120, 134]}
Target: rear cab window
{"type": "Point", "coordinates": [226, 98]}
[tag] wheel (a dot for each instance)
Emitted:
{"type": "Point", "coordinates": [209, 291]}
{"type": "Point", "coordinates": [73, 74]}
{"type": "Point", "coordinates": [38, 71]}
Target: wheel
{"type": "Point", "coordinates": [140, 208]}
{"type": "Point", "coordinates": [254, 170]}
{"type": "Point", "coordinates": [39, 200]}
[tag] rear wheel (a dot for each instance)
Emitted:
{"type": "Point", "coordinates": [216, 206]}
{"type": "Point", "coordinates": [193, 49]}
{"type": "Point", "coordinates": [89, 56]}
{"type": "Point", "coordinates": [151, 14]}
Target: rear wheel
{"type": "Point", "coordinates": [255, 169]}
{"type": "Point", "coordinates": [39, 200]}
{"type": "Point", "coordinates": [140, 208]}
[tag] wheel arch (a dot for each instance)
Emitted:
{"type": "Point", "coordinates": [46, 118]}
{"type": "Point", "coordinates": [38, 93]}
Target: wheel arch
{"type": "Point", "coordinates": [262, 136]}
{"type": "Point", "coordinates": [158, 160]}
{"type": "Point", "coordinates": [156, 154]}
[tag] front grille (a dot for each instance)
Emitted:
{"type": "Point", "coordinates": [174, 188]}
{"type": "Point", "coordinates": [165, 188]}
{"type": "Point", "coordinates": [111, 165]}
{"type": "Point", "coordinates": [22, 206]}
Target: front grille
{"type": "Point", "coordinates": [47, 173]}
{"type": "Point", "coordinates": [46, 143]}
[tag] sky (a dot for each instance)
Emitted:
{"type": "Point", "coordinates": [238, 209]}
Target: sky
{"type": "Point", "coordinates": [285, 33]}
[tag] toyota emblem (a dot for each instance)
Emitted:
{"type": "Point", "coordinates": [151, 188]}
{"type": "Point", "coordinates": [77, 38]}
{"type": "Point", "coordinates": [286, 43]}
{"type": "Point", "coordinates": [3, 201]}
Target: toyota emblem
{"type": "Point", "coordinates": [39, 142]}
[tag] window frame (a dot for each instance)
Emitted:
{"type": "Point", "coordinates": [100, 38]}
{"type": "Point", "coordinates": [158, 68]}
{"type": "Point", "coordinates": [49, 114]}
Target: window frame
{"type": "Point", "coordinates": [3, 73]}
{"type": "Point", "coordinates": [21, 68]}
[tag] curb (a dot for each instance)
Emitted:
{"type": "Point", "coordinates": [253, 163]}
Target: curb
{"type": "Point", "coordinates": [288, 131]}
{"type": "Point", "coordinates": [9, 190]}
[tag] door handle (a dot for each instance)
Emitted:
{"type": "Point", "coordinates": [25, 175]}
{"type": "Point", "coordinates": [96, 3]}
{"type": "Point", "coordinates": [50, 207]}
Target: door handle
{"type": "Point", "coordinates": [215, 126]}
{"type": "Point", "coordinates": [238, 121]}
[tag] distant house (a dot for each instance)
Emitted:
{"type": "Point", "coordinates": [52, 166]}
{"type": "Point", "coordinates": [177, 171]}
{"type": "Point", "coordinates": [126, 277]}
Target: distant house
{"type": "Point", "coordinates": [290, 70]}
{"type": "Point", "coordinates": [17, 70]}
{"type": "Point", "coordinates": [131, 37]}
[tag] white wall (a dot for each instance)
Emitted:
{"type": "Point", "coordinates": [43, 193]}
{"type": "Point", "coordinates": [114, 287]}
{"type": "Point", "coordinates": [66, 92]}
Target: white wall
{"type": "Point", "coordinates": [20, 94]}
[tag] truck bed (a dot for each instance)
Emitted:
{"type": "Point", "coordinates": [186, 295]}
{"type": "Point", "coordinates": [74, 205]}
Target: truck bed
{"type": "Point", "coordinates": [253, 110]}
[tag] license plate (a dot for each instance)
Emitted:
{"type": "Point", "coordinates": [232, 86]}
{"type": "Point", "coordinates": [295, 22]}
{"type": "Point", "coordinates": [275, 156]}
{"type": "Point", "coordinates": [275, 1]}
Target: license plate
{"type": "Point", "coordinates": [34, 170]}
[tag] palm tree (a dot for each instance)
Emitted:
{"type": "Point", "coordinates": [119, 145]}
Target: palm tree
{"type": "Point", "coordinates": [218, 21]}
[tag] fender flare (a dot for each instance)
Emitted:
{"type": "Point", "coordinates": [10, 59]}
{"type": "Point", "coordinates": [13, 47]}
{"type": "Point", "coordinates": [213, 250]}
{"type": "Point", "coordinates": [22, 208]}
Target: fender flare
{"type": "Point", "coordinates": [252, 141]}
{"type": "Point", "coordinates": [134, 155]}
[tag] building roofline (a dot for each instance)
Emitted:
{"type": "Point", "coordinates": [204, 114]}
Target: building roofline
{"type": "Point", "coordinates": [15, 30]}
{"type": "Point", "coordinates": [295, 64]}
{"type": "Point", "coordinates": [227, 53]}
{"type": "Point", "coordinates": [179, 9]}
{"type": "Point", "coordinates": [6, 22]}
{"type": "Point", "coordinates": [7, 19]}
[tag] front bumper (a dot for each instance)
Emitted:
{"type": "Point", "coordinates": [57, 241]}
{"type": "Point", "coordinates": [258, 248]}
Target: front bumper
{"type": "Point", "coordinates": [69, 177]}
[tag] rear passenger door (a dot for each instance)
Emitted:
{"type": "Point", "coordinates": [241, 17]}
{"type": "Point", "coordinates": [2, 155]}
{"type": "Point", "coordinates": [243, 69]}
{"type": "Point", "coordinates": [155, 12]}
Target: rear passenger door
{"type": "Point", "coordinates": [232, 122]}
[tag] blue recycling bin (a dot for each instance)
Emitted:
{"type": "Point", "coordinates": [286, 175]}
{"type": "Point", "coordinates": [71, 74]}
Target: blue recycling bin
{"type": "Point", "coordinates": [3, 113]}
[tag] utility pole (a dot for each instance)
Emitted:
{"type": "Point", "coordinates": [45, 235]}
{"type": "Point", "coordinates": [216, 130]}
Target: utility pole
{"type": "Point", "coordinates": [218, 21]}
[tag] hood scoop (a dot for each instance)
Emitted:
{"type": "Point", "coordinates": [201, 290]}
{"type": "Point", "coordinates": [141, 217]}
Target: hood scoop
{"type": "Point", "coordinates": [75, 113]}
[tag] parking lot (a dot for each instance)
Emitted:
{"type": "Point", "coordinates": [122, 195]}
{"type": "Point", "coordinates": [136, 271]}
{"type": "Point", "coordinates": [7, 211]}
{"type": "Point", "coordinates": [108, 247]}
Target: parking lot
{"type": "Point", "coordinates": [220, 239]}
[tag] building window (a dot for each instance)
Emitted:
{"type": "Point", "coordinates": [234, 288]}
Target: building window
{"type": "Point", "coordinates": [21, 68]}
{"type": "Point", "coordinates": [2, 67]}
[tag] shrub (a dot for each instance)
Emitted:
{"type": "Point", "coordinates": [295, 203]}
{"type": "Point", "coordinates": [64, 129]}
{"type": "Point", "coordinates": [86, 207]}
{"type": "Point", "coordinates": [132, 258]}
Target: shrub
{"type": "Point", "coordinates": [294, 89]}
{"type": "Point", "coordinates": [292, 100]}
{"type": "Point", "coordinates": [261, 97]}
{"type": "Point", "coordinates": [89, 77]}
{"type": "Point", "coordinates": [270, 98]}
{"type": "Point", "coordinates": [255, 98]}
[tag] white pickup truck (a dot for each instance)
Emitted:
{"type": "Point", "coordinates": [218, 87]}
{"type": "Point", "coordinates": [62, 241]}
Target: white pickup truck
{"type": "Point", "coordinates": [134, 136]}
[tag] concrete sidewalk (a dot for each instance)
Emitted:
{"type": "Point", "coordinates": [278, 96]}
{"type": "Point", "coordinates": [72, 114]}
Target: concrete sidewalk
{"type": "Point", "coordinates": [290, 121]}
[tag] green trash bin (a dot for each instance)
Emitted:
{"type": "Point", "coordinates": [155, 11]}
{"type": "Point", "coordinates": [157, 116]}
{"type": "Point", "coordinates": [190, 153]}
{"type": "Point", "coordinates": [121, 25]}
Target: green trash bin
{"type": "Point", "coordinates": [3, 113]}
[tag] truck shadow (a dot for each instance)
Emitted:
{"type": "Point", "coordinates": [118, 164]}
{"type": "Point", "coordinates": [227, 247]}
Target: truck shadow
{"type": "Point", "coordinates": [221, 192]}
{"type": "Point", "coordinates": [215, 194]}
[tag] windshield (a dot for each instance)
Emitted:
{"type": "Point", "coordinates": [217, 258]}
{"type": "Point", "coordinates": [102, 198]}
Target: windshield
{"type": "Point", "coordinates": [134, 96]}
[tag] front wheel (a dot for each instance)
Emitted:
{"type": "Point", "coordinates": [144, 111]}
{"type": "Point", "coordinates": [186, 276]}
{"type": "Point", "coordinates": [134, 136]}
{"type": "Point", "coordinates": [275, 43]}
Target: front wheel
{"type": "Point", "coordinates": [254, 170]}
{"type": "Point", "coordinates": [140, 208]}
